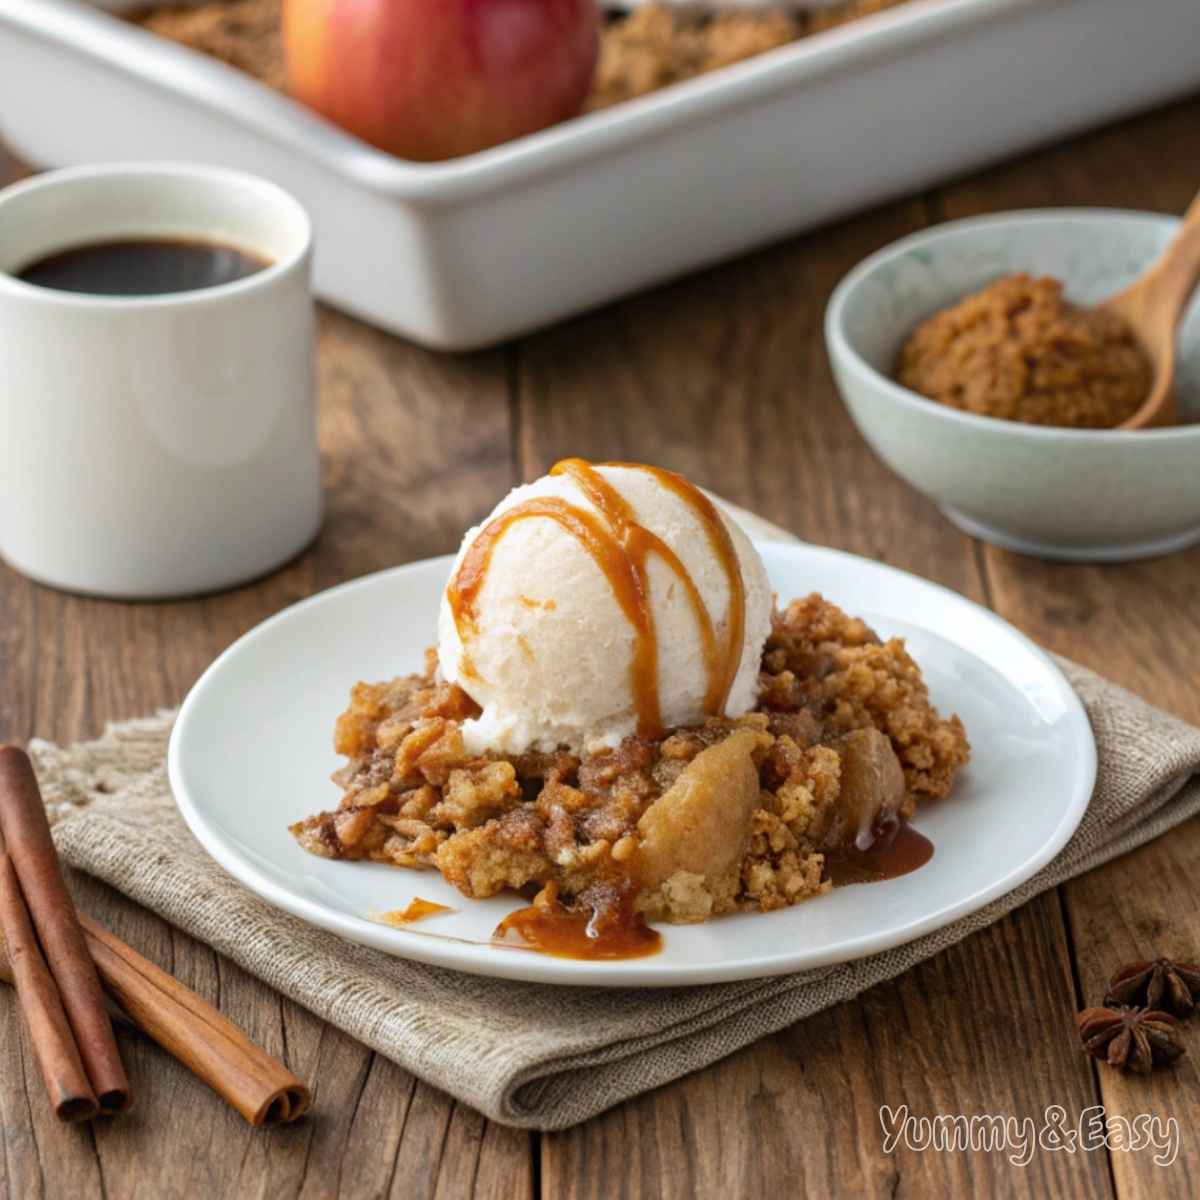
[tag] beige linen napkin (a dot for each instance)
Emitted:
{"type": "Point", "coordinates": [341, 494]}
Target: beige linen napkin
{"type": "Point", "coordinates": [528, 1054]}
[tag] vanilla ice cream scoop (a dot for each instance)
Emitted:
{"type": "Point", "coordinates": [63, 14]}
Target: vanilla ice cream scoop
{"type": "Point", "coordinates": [598, 602]}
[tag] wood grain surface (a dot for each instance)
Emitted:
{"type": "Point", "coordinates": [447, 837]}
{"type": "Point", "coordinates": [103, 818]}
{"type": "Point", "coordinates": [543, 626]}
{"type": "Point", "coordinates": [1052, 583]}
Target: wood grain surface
{"type": "Point", "coordinates": [723, 376]}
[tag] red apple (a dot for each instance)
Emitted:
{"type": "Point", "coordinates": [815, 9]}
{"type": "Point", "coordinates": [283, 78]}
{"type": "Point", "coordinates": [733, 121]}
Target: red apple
{"type": "Point", "coordinates": [431, 79]}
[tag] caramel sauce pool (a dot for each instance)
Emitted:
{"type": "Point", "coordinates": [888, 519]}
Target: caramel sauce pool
{"type": "Point", "coordinates": [621, 548]}
{"type": "Point", "coordinates": [893, 853]}
{"type": "Point", "coordinates": [564, 934]}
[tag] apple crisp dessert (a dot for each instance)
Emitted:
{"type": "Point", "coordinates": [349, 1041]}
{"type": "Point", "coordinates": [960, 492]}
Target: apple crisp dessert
{"type": "Point", "coordinates": [726, 815]}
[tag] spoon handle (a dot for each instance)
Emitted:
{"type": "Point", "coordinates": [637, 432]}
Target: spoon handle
{"type": "Point", "coordinates": [1157, 299]}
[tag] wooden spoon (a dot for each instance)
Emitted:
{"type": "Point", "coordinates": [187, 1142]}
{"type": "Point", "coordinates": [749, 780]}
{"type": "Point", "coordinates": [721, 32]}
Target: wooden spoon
{"type": "Point", "coordinates": [1152, 306]}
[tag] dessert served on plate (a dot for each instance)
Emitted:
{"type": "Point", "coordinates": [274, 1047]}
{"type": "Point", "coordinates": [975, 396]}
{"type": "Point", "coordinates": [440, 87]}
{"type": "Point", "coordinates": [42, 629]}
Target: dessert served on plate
{"type": "Point", "coordinates": [619, 723]}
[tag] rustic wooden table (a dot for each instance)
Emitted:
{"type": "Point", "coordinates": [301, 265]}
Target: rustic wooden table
{"type": "Point", "coordinates": [724, 377]}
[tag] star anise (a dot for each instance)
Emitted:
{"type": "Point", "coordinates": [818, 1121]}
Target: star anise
{"type": "Point", "coordinates": [1163, 983]}
{"type": "Point", "coordinates": [1130, 1039]}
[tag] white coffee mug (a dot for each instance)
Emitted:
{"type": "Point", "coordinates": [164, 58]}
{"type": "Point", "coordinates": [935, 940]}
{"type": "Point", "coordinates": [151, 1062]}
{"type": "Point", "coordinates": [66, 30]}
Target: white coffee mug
{"type": "Point", "coordinates": [162, 445]}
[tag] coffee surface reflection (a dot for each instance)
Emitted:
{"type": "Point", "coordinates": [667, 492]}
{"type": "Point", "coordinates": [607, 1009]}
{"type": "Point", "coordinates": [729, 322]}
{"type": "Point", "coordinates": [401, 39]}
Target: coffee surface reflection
{"type": "Point", "coordinates": [142, 267]}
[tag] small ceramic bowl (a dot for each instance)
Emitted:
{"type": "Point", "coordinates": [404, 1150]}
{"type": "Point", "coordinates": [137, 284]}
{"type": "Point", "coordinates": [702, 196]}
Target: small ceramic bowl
{"type": "Point", "coordinates": [1080, 495]}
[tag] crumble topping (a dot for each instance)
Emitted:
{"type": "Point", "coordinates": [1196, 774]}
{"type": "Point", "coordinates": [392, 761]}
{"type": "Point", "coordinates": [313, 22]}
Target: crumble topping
{"type": "Point", "coordinates": [246, 34]}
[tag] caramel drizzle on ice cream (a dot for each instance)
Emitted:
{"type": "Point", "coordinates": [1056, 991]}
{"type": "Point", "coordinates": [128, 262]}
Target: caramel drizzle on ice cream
{"type": "Point", "coordinates": [621, 547]}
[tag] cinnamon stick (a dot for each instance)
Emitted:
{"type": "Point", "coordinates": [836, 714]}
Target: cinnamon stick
{"type": "Point", "coordinates": [262, 1089]}
{"type": "Point", "coordinates": [115, 1012]}
{"type": "Point", "coordinates": [26, 831]}
{"type": "Point", "coordinates": [50, 1035]}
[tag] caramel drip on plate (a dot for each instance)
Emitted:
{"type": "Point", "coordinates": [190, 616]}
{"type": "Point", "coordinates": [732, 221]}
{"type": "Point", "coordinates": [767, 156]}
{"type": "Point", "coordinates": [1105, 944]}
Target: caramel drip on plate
{"type": "Point", "coordinates": [418, 909]}
{"type": "Point", "coordinates": [614, 931]}
{"type": "Point", "coordinates": [621, 548]}
{"type": "Point", "coordinates": [892, 852]}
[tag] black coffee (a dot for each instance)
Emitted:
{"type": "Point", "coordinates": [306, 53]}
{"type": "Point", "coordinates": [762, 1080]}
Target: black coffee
{"type": "Point", "coordinates": [142, 267]}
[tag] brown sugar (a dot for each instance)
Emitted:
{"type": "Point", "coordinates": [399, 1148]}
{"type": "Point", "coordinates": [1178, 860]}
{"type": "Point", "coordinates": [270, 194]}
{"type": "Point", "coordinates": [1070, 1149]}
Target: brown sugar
{"type": "Point", "coordinates": [1020, 351]}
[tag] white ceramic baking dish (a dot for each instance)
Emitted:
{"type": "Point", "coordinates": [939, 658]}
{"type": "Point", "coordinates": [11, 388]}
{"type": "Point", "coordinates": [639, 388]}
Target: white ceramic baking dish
{"type": "Point", "coordinates": [468, 252]}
